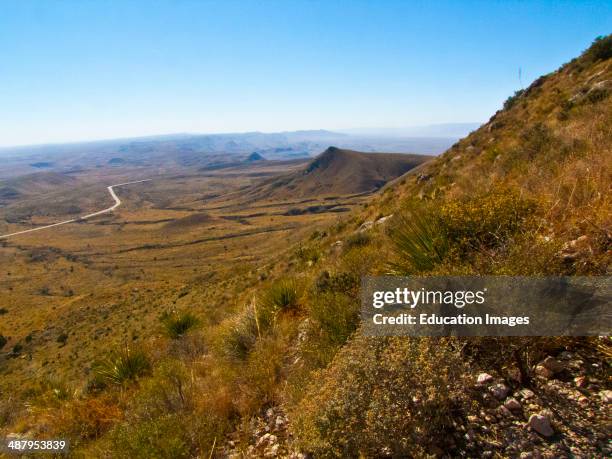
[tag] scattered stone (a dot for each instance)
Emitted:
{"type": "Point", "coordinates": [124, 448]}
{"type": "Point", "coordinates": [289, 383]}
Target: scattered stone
{"type": "Point", "coordinates": [266, 439]}
{"type": "Point", "coordinates": [606, 396]}
{"type": "Point", "coordinates": [580, 381]}
{"type": "Point", "coordinates": [512, 404]}
{"type": "Point", "coordinates": [541, 424]}
{"type": "Point", "coordinates": [272, 451]}
{"type": "Point", "coordinates": [572, 249]}
{"type": "Point", "coordinates": [542, 371]}
{"type": "Point", "coordinates": [553, 364]}
{"type": "Point", "coordinates": [366, 225]}
{"type": "Point", "coordinates": [484, 378]}
{"type": "Point", "coordinates": [527, 393]}
{"type": "Point", "coordinates": [382, 220]}
{"type": "Point", "coordinates": [279, 423]}
{"type": "Point", "coordinates": [500, 391]}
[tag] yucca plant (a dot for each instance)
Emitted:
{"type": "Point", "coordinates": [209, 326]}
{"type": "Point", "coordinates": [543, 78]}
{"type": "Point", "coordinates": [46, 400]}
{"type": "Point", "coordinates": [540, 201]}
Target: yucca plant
{"type": "Point", "coordinates": [176, 324]}
{"type": "Point", "coordinates": [419, 242]}
{"type": "Point", "coordinates": [122, 366]}
{"type": "Point", "coordinates": [281, 296]}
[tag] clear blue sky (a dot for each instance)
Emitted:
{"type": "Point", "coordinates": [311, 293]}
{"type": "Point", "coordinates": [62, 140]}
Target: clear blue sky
{"type": "Point", "coordinates": [75, 70]}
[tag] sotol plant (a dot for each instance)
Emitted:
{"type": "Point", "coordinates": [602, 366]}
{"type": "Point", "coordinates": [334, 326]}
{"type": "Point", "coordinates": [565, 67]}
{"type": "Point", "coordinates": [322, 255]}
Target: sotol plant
{"type": "Point", "coordinates": [120, 367]}
{"type": "Point", "coordinates": [419, 242]}
{"type": "Point", "coordinates": [176, 324]}
{"type": "Point", "coordinates": [281, 296]}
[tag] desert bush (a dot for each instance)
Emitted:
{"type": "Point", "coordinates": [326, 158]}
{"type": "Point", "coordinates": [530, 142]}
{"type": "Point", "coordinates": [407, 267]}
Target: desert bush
{"type": "Point", "coordinates": [171, 406]}
{"type": "Point", "coordinates": [261, 374]}
{"type": "Point", "coordinates": [308, 254]}
{"type": "Point", "coordinates": [358, 239]}
{"type": "Point", "coordinates": [169, 389]}
{"type": "Point", "coordinates": [176, 324]}
{"type": "Point", "coordinates": [601, 49]}
{"type": "Point", "coordinates": [10, 407]}
{"type": "Point", "coordinates": [122, 366]}
{"type": "Point", "coordinates": [383, 397]}
{"type": "Point", "coordinates": [3, 341]}
{"type": "Point", "coordinates": [3, 311]}
{"type": "Point", "coordinates": [86, 419]}
{"type": "Point", "coordinates": [237, 335]}
{"type": "Point", "coordinates": [336, 314]}
{"type": "Point", "coordinates": [597, 95]}
{"type": "Point", "coordinates": [485, 221]}
{"type": "Point", "coordinates": [164, 437]}
{"type": "Point", "coordinates": [513, 99]}
{"type": "Point", "coordinates": [62, 338]}
{"type": "Point", "coordinates": [342, 282]}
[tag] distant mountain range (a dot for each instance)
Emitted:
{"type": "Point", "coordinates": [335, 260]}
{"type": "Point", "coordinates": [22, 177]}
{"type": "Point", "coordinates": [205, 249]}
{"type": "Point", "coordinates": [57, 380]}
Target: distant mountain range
{"type": "Point", "coordinates": [202, 150]}
{"type": "Point", "coordinates": [446, 130]}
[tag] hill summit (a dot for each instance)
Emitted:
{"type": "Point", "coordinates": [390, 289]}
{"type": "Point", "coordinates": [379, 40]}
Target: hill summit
{"type": "Point", "coordinates": [338, 171]}
{"type": "Point", "coordinates": [255, 157]}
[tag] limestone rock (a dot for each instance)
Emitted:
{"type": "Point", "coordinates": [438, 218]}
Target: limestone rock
{"type": "Point", "coordinates": [541, 424]}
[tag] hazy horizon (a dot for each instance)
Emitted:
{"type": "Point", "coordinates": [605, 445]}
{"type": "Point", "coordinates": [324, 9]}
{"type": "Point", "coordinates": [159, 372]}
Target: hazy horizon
{"type": "Point", "coordinates": [455, 130]}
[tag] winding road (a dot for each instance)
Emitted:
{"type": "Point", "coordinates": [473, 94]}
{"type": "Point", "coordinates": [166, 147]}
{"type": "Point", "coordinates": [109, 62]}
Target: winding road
{"type": "Point", "coordinates": [84, 217]}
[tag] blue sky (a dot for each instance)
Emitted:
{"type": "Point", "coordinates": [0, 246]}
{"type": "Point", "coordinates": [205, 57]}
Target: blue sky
{"type": "Point", "coordinates": [77, 70]}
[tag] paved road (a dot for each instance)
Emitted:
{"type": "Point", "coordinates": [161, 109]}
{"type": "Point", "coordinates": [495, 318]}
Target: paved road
{"type": "Point", "coordinates": [84, 217]}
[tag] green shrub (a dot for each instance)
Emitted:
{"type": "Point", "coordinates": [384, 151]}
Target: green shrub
{"type": "Point", "coordinates": [122, 366]}
{"type": "Point", "coordinates": [163, 437]}
{"type": "Point", "coordinates": [358, 239]}
{"type": "Point", "coordinates": [485, 222]}
{"type": "Point", "coordinates": [176, 324]}
{"type": "Point", "coordinates": [343, 282]}
{"type": "Point", "coordinates": [336, 314]}
{"type": "Point", "coordinates": [239, 334]}
{"type": "Point", "coordinates": [601, 48]}
{"type": "Point", "coordinates": [307, 254]}
{"type": "Point", "coordinates": [419, 242]}
{"type": "Point", "coordinates": [513, 99]}
{"type": "Point", "coordinates": [168, 390]}
{"type": "Point", "coordinates": [384, 397]}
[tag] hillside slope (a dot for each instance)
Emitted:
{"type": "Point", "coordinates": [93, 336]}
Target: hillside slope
{"type": "Point", "coordinates": [339, 172]}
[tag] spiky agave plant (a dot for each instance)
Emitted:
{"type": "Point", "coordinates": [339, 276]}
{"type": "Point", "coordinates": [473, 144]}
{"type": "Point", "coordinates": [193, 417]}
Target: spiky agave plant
{"type": "Point", "coordinates": [122, 366]}
{"type": "Point", "coordinates": [419, 242]}
{"type": "Point", "coordinates": [282, 295]}
{"type": "Point", "coordinates": [176, 324]}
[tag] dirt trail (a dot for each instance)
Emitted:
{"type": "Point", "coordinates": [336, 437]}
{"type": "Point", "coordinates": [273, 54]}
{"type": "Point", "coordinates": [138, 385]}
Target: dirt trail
{"type": "Point", "coordinates": [84, 217]}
